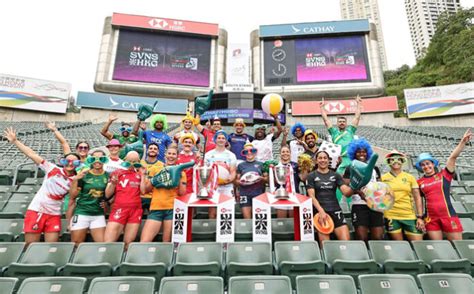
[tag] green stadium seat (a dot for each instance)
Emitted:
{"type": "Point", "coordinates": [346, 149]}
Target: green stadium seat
{"type": "Point", "coordinates": [468, 228]}
{"type": "Point", "coordinates": [192, 285]}
{"type": "Point", "coordinates": [283, 229]}
{"type": "Point", "coordinates": [460, 209]}
{"type": "Point", "coordinates": [21, 197]}
{"type": "Point", "coordinates": [27, 189]}
{"type": "Point", "coordinates": [10, 229]}
{"type": "Point", "coordinates": [53, 285]}
{"type": "Point", "coordinates": [295, 258]}
{"type": "Point", "coordinates": [325, 284]}
{"type": "Point", "coordinates": [198, 259]}
{"type": "Point", "coordinates": [6, 177]}
{"type": "Point", "coordinates": [260, 285]}
{"type": "Point", "coordinates": [32, 181]}
{"type": "Point", "coordinates": [396, 257]}
{"type": "Point", "coordinates": [204, 230]}
{"type": "Point", "coordinates": [8, 285]}
{"type": "Point", "coordinates": [446, 283]}
{"type": "Point", "coordinates": [147, 259]}
{"type": "Point", "coordinates": [6, 188]}
{"type": "Point", "coordinates": [249, 258]}
{"type": "Point", "coordinates": [122, 285]}
{"type": "Point", "coordinates": [349, 258]}
{"type": "Point", "coordinates": [94, 260]}
{"type": "Point", "coordinates": [465, 249]}
{"type": "Point", "coordinates": [387, 284]}
{"type": "Point", "coordinates": [41, 260]}
{"type": "Point", "coordinates": [243, 230]}
{"type": "Point", "coordinates": [14, 209]}
{"type": "Point", "coordinates": [9, 253]}
{"type": "Point", "coordinates": [440, 257]}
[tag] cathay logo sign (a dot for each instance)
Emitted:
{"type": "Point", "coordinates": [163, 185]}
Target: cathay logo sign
{"type": "Point", "coordinates": [313, 29]}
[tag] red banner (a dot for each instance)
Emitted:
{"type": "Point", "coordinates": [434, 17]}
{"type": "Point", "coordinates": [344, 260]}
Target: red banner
{"type": "Point", "coordinates": [165, 24]}
{"type": "Point", "coordinates": [335, 107]}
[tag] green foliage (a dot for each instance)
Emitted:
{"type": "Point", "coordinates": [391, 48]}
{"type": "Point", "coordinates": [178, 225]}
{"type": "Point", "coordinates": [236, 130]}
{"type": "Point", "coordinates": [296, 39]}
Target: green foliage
{"type": "Point", "coordinates": [449, 59]}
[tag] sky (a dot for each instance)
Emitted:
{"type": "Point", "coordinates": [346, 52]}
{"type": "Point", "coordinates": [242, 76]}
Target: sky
{"type": "Point", "coordinates": [59, 40]}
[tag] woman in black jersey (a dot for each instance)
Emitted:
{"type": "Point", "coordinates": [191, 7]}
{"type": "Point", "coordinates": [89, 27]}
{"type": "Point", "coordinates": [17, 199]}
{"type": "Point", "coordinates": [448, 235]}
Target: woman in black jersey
{"type": "Point", "coordinates": [321, 186]}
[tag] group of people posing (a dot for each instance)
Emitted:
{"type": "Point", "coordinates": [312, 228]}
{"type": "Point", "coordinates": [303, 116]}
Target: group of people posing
{"type": "Point", "coordinates": [121, 179]}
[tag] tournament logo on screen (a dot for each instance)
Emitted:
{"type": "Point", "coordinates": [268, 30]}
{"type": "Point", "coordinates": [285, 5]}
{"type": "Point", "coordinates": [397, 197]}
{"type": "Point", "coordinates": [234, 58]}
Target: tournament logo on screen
{"type": "Point", "coordinates": [143, 57]}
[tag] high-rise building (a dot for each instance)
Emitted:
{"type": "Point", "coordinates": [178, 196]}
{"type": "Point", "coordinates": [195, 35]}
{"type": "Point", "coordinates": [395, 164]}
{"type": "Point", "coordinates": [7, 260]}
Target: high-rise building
{"type": "Point", "coordinates": [354, 9]}
{"type": "Point", "coordinates": [422, 18]}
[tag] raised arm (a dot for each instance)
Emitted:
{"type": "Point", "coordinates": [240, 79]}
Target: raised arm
{"type": "Point", "coordinates": [279, 127]}
{"type": "Point", "coordinates": [59, 137]}
{"type": "Point", "coordinates": [199, 127]}
{"type": "Point", "coordinates": [285, 136]}
{"type": "Point", "coordinates": [451, 162]}
{"type": "Point", "coordinates": [324, 115]}
{"type": "Point", "coordinates": [356, 120]}
{"type": "Point", "coordinates": [105, 130]}
{"type": "Point", "coordinates": [10, 134]}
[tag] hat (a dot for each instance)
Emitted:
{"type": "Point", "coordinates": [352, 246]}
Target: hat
{"type": "Point", "coordinates": [239, 121]}
{"type": "Point", "coordinates": [216, 118]}
{"type": "Point", "coordinates": [394, 152]}
{"type": "Point", "coordinates": [221, 132]}
{"type": "Point", "coordinates": [425, 156]}
{"type": "Point", "coordinates": [188, 117]}
{"type": "Point", "coordinates": [114, 142]}
{"type": "Point", "coordinates": [187, 136]}
{"type": "Point", "coordinates": [326, 228]}
{"type": "Point", "coordinates": [310, 132]}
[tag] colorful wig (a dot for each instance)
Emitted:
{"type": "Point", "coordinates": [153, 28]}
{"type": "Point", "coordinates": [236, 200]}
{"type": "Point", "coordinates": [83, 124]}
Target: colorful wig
{"type": "Point", "coordinates": [297, 125]}
{"type": "Point", "coordinates": [359, 144]}
{"type": "Point", "coordinates": [159, 117]}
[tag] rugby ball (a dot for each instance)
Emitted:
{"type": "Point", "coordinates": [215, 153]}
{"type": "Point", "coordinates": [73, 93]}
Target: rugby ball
{"type": "Point", "coordinates": [249, 178]}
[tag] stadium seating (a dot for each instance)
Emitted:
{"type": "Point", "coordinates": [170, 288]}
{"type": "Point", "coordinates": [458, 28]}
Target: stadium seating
{"type": "Point", "coordinates": [9, 253]}
{"type": "Point", "coordinates": [260, 285]}
{"type": "Point", "coordinates": [387, 284]}
{"type": "Point", "coordinates": [192, 285]}
{"type": "Point", "coordinates": [10, 229]}
{"type": "Point", "coordinates": [41, 260]}
{"type": "Point", "coordinates": [446, 283]}
{"type": "Point", "coordinates": [8, 285]}
{"type": "Point", "coordinates": [243, 230]}
{"type": "Point", "coordinates": [294, 258]}
{"type": "Point", "coordinates": [249, 258]}
{"type": "Point", "coordinates": [396, 257]}
{"type": "Point", "coordinates": [440, 257]}
{"type": "Point", "coordinates": [283, 229]}
{"type": "Point", "coordinates": [199, 259]}
{"type": "Point", "coordinates": [322, 284]}
{"type": "Point", "coordinates": [121, 285]}
{"type": "Point", "coordinates": [465, 249]}
{"type": "Point", "coordinates": [204, 230]}
{"type": "Point", "coordinates": [60, 285]}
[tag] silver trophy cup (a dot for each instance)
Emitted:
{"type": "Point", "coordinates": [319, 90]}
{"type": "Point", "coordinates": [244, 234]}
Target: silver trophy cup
{"type": "Point", "coordinates": [281, 173]}
{"type": "Point", "coordinates": [204, 173]}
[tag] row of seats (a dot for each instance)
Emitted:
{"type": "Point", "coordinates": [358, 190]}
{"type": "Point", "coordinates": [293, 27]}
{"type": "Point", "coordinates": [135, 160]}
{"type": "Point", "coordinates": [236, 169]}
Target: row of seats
{"type": "Point", "coordinates": [291, 258]}
{"type": "Point", "coordinates": [309, 284]}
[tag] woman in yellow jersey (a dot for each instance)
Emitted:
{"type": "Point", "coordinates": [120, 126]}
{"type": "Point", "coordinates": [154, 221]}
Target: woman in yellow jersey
{"type": "Point", "coordinates": [403, 217]}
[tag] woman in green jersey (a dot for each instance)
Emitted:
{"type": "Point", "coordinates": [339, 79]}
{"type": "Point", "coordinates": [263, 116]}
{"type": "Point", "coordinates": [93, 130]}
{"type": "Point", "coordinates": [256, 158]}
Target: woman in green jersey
{"type": "Point", "coordinates": [85, 211]}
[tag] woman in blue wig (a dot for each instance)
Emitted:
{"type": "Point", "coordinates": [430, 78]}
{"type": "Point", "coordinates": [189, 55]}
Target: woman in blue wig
{"type": "Point", "coordinates": [297, 145]}
{"type": "Point", "coordinates": [363, 218]}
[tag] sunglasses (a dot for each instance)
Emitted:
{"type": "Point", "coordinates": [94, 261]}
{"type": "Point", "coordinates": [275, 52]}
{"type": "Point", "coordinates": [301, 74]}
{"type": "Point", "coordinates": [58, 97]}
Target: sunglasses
{"type": "Point", "coordinates": [400, 160]}
{"type": "Point", "coordinates": [247, 151]}
{"type": "Point", "coordinates": [65, 162]}
{"type": "Point", "coordinates": [93, 159]}
{"type": "Point", "coordinates": [127, 164]}
{"type": "Point", "coordinates": [124, 129]}
{"type": "Point", "coordinates": [83, 147]}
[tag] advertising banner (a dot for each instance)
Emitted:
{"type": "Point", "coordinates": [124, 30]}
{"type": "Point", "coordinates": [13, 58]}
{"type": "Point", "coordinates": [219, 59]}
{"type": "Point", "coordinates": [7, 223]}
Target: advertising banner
{"type": "Point", "coordinates": [440, 101]}
{"type": "Point", "coordinates": [130, 103]}
{"type": "Point", "coordinates": [337, 107]}
{"type": "Point", "coordinates": [151, 57]}
{"type": "Point", "coordinates": [341, 59]}
{"type": "Point", "coordinates": [238, 62]}
{"type": "Point", "coordinates": [33, 94]}
{"type": "Point", "coordinates": [165, 24]}
{"type": "Point", "coordinates": [245, 113]}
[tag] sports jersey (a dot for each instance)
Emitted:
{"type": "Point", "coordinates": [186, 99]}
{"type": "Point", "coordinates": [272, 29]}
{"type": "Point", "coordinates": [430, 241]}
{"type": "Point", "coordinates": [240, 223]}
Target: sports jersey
{"type": "Point", "coordinates": [183, 158]}
{"type": "Point", "coordinates": [127, 189]}
{"type": "Point", "coordinates": [225, 158]}
{"type": "Point", "coordinates": [161, 139]}
{"type": "Point", "coordinates": [237, 142]}
{"type": "Point", "coordinates": [50, 196]}
{"type": "Point", "coordinates": [164, 198]}
{"type": "Point", "coordinates": [325, 186]}
{"type": "Point", "coordinates": [356, 199]}
{"type": "Point", "coordinates": [125, 140]}
{"type": "Point", "coordinates": [343, 138]}
{"type": "Point", "coordinates": [264, 148]}
{"type": "Point", "coordinates": [92, 190]}
{"type": "Point", "coordinates": [435, 189]}
{"type": "Point", "coordinates": [208, 139]}
{"type": "Point", "coordinates": [254, 189]}
{"type": "Point", "coordinates": [401, 186]}
{"type": "Point", "coordinates": [296, 149]}
{"type": "Point", "coordinates": [148, 165]}
{"type": "Point", "coordinates": [113, 165]}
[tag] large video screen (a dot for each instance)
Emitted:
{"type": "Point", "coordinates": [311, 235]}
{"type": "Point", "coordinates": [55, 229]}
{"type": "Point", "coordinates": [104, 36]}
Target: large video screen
{"type": "Point", "coordinates": [162, 58]}
{"type": "Point", "coordinates": [340, 59]}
